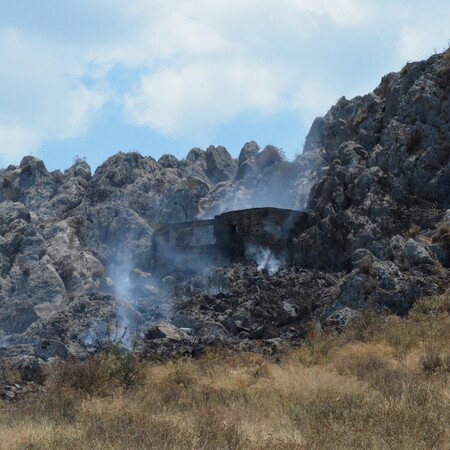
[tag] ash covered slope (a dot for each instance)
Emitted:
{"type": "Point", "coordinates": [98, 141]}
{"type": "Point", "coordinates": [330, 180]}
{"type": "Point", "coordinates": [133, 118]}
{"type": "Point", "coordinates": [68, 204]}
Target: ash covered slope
{"type": "Point", "coordinates": [374, 176]}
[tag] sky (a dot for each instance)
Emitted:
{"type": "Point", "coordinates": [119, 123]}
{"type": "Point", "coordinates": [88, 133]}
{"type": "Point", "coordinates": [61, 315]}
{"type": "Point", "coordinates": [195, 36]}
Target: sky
{"type": "Point", "coordinates": [89, 78]}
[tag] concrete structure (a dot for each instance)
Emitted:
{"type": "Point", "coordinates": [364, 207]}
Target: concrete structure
{"type": "Point", "coordinates": [191, 246]}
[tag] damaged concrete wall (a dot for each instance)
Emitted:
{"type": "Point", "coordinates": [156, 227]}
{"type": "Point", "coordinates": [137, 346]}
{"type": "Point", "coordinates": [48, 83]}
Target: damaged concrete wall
{"type": "Point", "coordinates": [183, 246]}
{"type": "Point", "coordinates": [190, 246]}
{"type": "Point", "coordinates": [271, 228]}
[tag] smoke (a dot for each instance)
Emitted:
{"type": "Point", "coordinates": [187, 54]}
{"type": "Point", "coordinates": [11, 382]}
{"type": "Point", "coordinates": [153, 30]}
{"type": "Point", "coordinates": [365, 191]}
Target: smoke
{"type": "Point", "coordinates": [125, 326]}
{"type": "Point", "coordinates": [178, 250]}
{"type": "Point", "coordinates": [265, 179]}
{"type": "Point", "coordinates": [264, 258]}
{"type": "Point", "coordinates": [104, 335]}
{"type": "Point", "coordinates": [119, 272]}
{"type": "Point", "coordinates": [142, 299]}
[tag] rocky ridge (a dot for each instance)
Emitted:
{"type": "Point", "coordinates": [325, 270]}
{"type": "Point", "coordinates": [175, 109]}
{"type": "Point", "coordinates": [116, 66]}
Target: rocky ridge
{"type": "Point", "coordinates": [374, 176]}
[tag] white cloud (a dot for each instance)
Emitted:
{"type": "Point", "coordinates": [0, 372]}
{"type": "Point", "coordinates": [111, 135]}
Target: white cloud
{"type": "Point", "coordinates": [412, 43]}
{"type": "Point", "coordinates": [418, 38]}
{"type": "Point", "coordinates": [42, 97]}
{"type": "Point", "coordinates": [342, 12]}
{"type": "Point", "coordinates": [80, 105]}
{"type": "Point", "coordinates": [222, 59]}
{"type": "Point", "coordinates": [185, 101]}
{"type": "Point", "coordinates": [17, 141]}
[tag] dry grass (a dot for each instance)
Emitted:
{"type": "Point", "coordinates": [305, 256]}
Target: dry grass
{"type": "Point", "coordinates": [382, 384]}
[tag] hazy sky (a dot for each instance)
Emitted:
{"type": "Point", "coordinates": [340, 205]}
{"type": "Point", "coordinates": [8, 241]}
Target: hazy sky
{"type": "Point", "coordinates": [93, 77]}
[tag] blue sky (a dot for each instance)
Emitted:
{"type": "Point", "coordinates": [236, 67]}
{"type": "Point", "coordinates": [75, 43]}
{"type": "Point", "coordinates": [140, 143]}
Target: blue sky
{"type": "Point", "coordinates": [94, 77]}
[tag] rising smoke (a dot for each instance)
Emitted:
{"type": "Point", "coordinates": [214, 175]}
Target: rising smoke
{"type": "Point", "coordinates": [264, 258]}
{"type": "Point", "coordinates": [121, 329]}
{"type": "Point", "coordinates": [266, 179]}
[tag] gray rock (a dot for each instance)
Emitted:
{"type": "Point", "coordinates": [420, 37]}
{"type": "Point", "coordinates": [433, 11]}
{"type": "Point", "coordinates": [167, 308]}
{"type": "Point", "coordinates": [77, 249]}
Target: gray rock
{"type": "Point", "coordinates": [210, 329]}
{"type": "Point", "coordinates": [17, 319]}
{"type": "Point", "coordinates": [220, 164]}
{"type": "Point", "coordinates": [374, 176]}
{"type": "Point", "coordinates": [248, 152]}
{"type": "Point", "coordinates": [195, 155]}
{"type": "Point", "coordinates": [138, 276]}
{"type": "Point", "coordinates": [287, 313]}
{"type": "Point", "coordinates": [168, 161]}
{"type": "Point", "coordinates": [30, 369]}
{"type": "Point", "coordinates": [49, 348]}
{"type": "Point", "coordinates": [11, 212]}
{"type": "Point", "coordinates": [415, 254]}
{"type": "Point", "coordinates": [183, 203]}
{"type": "Point", "coordinates": [340, 318]}
{"type": "Point", "coordinates": [165, 331]}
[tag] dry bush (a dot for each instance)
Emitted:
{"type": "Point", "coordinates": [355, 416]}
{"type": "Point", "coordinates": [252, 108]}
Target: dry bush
{"type": "Point", "coordinates": [364, 326]}
{"type": "Point", "coordinates": [442, 237]}
{"type": "Point", "coordinates": [220, 430]}
{"type": "Point", "coordinates": [98, 271]}
{"type": "Point", "coordinates": [25, 269]}
{"type": "Point", "coordinates": [413, 141]}
{"type": "Point", "coordinates": [12, 194]}
{"type": "Point", "coordinates": [6, 182]}
{"type": "Point", "coordinates": [430, 307]}
{"type": "Point", "coordinates": [269, 156]}
{"type": "Point", "coordinates": [331, 418]}
{"type": "Point", "coordinates": [434, 361]}
{"type": "Point", "coordinates": [403, 336]}
{"type": "Point", "coordinates": [374, 364]}
{"type": "Point", "coordinates": [365, 265]}
{"type": "Point", "coordinates": [413, 232]}
{"type": "Point", "coordinates": [58, 176]}
{"type": "Point", "coordinates": [87, 377]}
{"type": "Point", "coordinates": [66, 271]}
{"type": "Point", "coordinates": [318, 349]}
{"type": "Point", "coordinates": [362, 360]}
{"type": "Point", "coordinates": [446, 56]}
{"type": "Point", "coordinates": [370, 284]}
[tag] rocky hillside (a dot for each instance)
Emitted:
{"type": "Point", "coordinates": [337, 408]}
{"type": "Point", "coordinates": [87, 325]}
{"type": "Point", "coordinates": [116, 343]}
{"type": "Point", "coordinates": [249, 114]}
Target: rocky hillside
{"type": "Point", "coordinates": [75, 247]}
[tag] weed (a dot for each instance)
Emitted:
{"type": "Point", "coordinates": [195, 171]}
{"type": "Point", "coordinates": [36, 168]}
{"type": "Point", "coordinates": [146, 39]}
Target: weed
{"type": "Point", "coordinates": [434, 361]}
{"type": "Point", "coordinates": [436, 305]}
{"type": "Point", "coordinates": [125, 368]}
{"type": "Point", "coordinates": [412, 233]}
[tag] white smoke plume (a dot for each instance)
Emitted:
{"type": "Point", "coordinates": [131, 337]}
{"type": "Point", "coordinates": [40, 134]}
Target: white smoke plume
{"type": "Point", "coordinates": [125, 328]}
{"type": "Point", "coordinates": [264, 258]}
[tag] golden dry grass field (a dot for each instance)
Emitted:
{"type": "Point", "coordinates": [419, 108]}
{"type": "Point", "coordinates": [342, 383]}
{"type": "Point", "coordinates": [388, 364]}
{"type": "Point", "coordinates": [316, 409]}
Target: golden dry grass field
{"type": "Point", "coordinates": [382, 384]}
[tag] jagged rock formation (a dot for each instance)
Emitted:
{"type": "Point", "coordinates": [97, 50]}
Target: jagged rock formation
{"type": "Point", "coordinates": [385, 185]}
{"type": "Point", "coordinates": [374, 177]}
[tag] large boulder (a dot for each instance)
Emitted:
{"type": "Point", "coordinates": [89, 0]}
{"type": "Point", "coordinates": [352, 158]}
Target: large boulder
{"type": "Point", "coordinates": [165, 331]}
